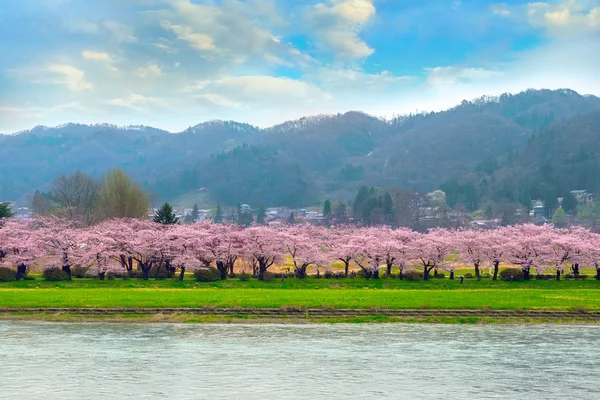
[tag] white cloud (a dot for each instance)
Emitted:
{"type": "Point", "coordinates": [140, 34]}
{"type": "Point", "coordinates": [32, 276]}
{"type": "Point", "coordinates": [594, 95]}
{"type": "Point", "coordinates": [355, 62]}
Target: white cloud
{"type": "Point", "coordinates": [219, 100]}
{"type": "Point", "coordinates": [338, 23]}
{"type": "Point", "coordinates": [199, 41]}
{"type": "Point", "coordinates": [136, 102]}
{"type": "Point", "coordinates": [166, 45]}
{"type": "Point", "coordinates": [501, 9]}
{"type": "Point", "coordinates": [151, 71]}
{"type": "Point", "coordinates": [68, 76]}
{"type": "Point", "coordinates": [565, 16]}
{"type": "Point", "coordinates": [231, 33]}
{"type": "Point", "coordinates": [444, 76]}
{"type": "Point", "coordinates": [100, 57]}
{"type": "Point", "coordinates": [120, 32]}
{"type": "Point", "coordinates": [96, 56]}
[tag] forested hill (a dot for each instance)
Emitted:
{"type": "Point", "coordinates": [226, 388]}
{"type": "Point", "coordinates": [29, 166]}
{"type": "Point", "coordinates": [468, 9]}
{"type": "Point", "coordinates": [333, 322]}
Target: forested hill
{"type": "Point", "coordinates": [502, 147]}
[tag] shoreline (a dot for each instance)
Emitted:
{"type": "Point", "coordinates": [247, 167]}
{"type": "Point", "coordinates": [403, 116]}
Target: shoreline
{"type": "Point", "coordinates": [302, 315]}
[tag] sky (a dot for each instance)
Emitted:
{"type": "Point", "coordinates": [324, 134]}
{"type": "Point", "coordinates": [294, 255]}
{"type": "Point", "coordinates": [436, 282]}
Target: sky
{"type": "Point", "coordinates": [172, 64]}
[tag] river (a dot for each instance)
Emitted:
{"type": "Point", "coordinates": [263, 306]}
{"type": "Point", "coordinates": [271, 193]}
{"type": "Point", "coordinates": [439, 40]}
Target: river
{"type": "Point", "coordinates": [41, 360]}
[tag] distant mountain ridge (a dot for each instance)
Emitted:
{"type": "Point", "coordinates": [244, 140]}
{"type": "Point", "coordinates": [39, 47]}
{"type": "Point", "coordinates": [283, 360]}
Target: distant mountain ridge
{"type": "Point", "coordinates": [324, 155]}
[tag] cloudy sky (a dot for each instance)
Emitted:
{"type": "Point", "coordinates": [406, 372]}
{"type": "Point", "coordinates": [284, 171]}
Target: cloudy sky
{"type": "Point", "coordinates": [175, 63]}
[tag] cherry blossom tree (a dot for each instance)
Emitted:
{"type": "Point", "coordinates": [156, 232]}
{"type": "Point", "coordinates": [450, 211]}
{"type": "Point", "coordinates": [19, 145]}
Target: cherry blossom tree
{"type": "Point", "coordinates": [471, 248]}
{"type": "Point", "coordinates": [368, 254]}
{"type": "Point", "coordinates": [59, 238]}
{"type": "Point", "coordinates": [526, 247]}
{"type": "Point", "coordinates": [263, 248]}
{"type": "Point", "coordinates": [494, 248]}
{"type": "Point", "coordinates": [19, 244]}
{"type": "Point", "coordinates": [431, 249]}
{"type": "Point", "coordinates": [304, 243]}
{"type": "Point", "coordinates": [395, 246]}
{"type": "Point", "coordinates": [225, 245]}
{"type": "Point", "coordinates": [340, 246]}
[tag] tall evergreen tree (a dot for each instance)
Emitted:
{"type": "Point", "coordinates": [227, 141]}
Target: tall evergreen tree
{"type": "Point", "coordinates": [195, 214]}
{"type": "Point", "coordinates": [261, 215]}
{"type": "Point", "coordinates": [218, 215]}
{"type": "Point", "coordinates": [327, 209]}
{"type": "Point", "coordinates": [165, 215]}
{"type": "Point", "coordinates": [560, 219]}
{"type": "Point", "coordinates": [5, 211]}
{"type": "Point", "coordinates": [569, 203]}
{"type": "Point", "coordinates": [292, 219]}
{"type": "Point", "coordinates": [359, 201]}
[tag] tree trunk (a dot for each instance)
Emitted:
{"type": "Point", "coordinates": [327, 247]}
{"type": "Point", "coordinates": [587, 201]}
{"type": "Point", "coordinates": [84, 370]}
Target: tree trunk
{"type": "Point", "coordinates": [401, 274]}
{"type": "Point", "coordinates": [451, 275]}
{"type": "Point", "coordinates": [557, 274]}
{"type": "Point", "coordinates": [262, 268]}
{"type": "Point", "coordinates": [389, 265]}
{"type": "Point", "coordinates": [101, 275]}
{"type": "Point", "coordinates": [67, 269]}
{"type": "Point", "coordinates": [182, 273]}
{"type": "Point", "coordinates": [526, 274]}
{"type": "Point", "coordinates": [231, 268]}
{"type": "Point", "coordinates": [300, 272]}
{"type": "Point", "coordinates": [576, 269]}
{"type": "Point", "coordinates": [21, 271]}
{"type": "Point", "coordinates": [145, 271]}
{"type": "Point", "coordinates": [496, 264]}
{"type": "Point", "coordinates": [477, 272]}
{"type": "Point", "coordinates": [426, 270]}
{"type": "Point", "coordinates": [346, 267]}
{"type": "Point", "coordinates": [222, 269]}
{"type": "Point", "coordinates": [597, 272]}
{"type": "Point", "coordinates": [376, 274]}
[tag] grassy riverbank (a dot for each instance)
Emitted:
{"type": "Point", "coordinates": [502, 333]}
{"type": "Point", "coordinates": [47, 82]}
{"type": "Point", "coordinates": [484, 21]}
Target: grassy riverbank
{"type": "Point", "coordinates": [244, 319]}
{"type": "Point", "coordinates": [311, 293]}
{"type": "Point", "coordinates": [504, 299]}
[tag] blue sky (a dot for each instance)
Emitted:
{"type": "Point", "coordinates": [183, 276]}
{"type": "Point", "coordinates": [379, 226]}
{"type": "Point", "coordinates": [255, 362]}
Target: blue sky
{"type": "Point", "coordinates": [175, 63]}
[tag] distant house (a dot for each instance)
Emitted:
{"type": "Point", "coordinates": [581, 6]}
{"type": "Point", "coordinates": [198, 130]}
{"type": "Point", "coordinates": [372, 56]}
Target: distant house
{"type": "Point", "coordinates": [537, 209]}
{"type": "Point", "coordinates": [245, 208]}
{"type": "Point", "coordinates": [486, 224]}
{"type": "Point", "coordinates": [582, 195]}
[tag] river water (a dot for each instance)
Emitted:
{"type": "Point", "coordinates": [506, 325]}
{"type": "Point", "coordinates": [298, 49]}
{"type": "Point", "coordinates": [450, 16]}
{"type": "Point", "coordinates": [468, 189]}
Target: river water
{"type": "Point", "coordinates": [386, 361]}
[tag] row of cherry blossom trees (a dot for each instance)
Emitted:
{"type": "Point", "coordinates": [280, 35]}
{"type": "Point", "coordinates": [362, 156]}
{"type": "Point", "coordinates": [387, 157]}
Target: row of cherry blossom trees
{"type": "Point", "coordinates": [122, 245]}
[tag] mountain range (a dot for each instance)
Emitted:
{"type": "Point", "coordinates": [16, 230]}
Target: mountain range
{"type": "Point", "coordinates": [507, 148]}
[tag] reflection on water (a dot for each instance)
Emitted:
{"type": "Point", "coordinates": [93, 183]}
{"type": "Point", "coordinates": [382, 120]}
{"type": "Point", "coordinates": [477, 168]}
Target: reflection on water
{"type": "Point", "coordinates": [68, 361]}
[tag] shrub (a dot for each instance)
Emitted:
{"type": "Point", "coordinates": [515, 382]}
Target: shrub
{"type": "Point", "coordinates": [439, 275]}
{"type": "Point", "coordinates": [110, 276]}
{"type": "Point", "coordinates": [329, 274]}
{"type": "Point", "coordinates": [578, 277]}
{"type": "Point", "coordinates": [468, 276]}
{"type": "Point", "coordinates": [7, 274]}
{"type": "Point", "coordinates": [28, 278]}
{"type": "Point", "coordinates": [268, 276]}
{"type": "Point", "coordinates": [511, 274]}
{"type": "Point", "coordinates": [413, 275]}
{"type": "Point", "coordinates": [79, 272]}
{"type": "Point", "coordinates": [210, 274]}
{"type": "Point", "coordinates": [160, 272]}
{"type": "Point", "coordinates": [232, 276]}
{"type": "Point", "coordinates": [542, 277]}
{"type": "Point", "coordinates": [55, 274]}
{"type": "Point", "coordinates": [245, 277]}
{"type": "Point", "coordinates": [136, 274]}
{"type": "Point", "coordinates": [360, 273]}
